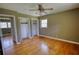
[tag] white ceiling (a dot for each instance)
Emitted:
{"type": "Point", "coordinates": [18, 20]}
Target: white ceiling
{"type": "Point", "coordinates": [25, 7]}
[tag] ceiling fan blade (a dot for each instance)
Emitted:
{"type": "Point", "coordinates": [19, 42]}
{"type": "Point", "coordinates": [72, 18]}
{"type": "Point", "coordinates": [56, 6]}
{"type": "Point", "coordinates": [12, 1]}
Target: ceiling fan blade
{"type": "Point", "coordinates": [42, 13]}
{"type": "Point", "coordinates": [49, 9]}
{"type": "Point", "coordinates": [33, 9]}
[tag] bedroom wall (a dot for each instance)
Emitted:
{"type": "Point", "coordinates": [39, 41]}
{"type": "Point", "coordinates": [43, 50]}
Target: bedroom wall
{"type": "Point", "coordinates": [63, 25]}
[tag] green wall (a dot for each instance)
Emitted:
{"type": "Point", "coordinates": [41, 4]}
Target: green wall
{"type": "Point", "coordinates": [16, 14]}
{"type": "Point", "coordinates": [64, 25]}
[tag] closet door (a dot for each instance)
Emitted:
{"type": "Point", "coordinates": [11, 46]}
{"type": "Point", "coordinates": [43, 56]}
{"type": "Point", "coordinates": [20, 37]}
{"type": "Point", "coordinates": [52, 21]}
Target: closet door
{"type": "Point", "coordinates": [34, 27]}
{"type": "Point", "coordinates": [24, 28]}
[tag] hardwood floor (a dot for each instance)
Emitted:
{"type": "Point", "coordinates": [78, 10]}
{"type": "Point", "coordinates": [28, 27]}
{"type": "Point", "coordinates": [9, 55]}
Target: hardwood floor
{"type": "Point", "coordinates": [40, 46]}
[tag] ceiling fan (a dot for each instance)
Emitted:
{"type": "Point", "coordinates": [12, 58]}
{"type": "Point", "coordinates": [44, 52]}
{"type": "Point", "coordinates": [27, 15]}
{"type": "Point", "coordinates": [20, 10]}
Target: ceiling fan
{"type": "Point", "coordinates": [41, 9]}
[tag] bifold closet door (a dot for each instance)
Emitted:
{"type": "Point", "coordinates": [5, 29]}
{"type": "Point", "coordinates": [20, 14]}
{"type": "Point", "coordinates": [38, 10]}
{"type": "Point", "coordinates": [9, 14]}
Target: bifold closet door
{"type": "Point", "coordinates": [34, 27]}
{"type": "Point", "coordinates": [24, 30]}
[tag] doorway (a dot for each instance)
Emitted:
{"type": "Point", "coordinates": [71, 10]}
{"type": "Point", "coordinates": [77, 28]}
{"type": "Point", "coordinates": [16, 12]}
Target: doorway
{"type": "Point", "coordinates": [7, 32]}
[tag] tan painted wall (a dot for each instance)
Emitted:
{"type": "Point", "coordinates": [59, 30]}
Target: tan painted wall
{"type": "Point", "coordinates": [64, 25]}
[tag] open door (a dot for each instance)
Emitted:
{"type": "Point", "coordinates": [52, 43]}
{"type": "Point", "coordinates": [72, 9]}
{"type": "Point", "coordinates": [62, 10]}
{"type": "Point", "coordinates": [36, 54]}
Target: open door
{"type": "Point", "coordinates": [8, 32]}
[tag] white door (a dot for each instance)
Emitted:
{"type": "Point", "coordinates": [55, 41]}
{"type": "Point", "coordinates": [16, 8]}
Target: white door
{"type": "Point", "coordinates": [24, 30]}
{"type": "Point", "coordinates": [24, 27]}
{"type": "Point", "coordinates": [34, 27]}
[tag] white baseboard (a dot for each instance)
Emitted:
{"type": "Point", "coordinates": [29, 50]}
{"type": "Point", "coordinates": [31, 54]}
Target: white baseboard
{"type": "Point", "coordinates": [59, 39]}
{"type": "Point", "coordinates": [18, 43]}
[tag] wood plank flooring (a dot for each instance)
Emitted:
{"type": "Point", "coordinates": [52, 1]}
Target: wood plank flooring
{"type": "Point", "coordinates": [40, 46]}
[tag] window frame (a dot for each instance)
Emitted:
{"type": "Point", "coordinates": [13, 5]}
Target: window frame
{"type": "Point", "coordinates": [2, 25]}
{"type": "Point", "coordinates": [6, 26]}
{"type": "Point", "coordinates": [44, 23]}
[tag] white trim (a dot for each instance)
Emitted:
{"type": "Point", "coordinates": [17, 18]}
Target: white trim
{"type": "Point", "coordinates": [18, 43]}
{"type": "Point", "coordinates": [14, 25]}
{"type": "Point", "coordinates": [59, 39]}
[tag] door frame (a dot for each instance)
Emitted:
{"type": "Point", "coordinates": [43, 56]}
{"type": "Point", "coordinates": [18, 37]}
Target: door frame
{"type": "Point", "coordinates": [15, 29]}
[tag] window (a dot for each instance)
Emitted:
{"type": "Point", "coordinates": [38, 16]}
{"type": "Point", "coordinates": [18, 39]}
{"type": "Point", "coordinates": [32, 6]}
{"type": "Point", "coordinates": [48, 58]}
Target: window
{"type": "Point", "coordinates": [5, 25]}
{"type": "Point", "coordinates": [44, 23]}
{"type": "Point", "coordinates": [9, 25]}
